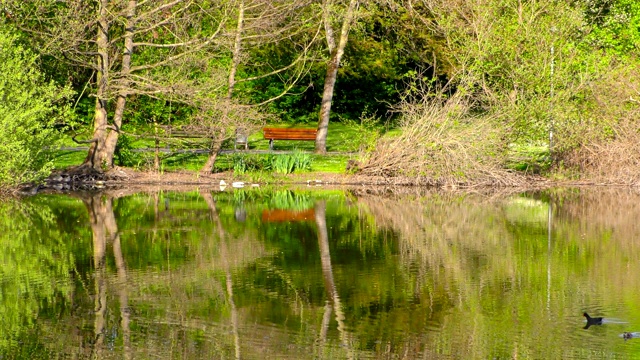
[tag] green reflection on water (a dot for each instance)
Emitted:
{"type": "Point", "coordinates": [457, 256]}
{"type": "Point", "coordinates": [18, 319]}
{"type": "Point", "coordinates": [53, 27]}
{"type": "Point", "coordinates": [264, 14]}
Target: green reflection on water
{"type": "Point", "coordinates": [257, 273]}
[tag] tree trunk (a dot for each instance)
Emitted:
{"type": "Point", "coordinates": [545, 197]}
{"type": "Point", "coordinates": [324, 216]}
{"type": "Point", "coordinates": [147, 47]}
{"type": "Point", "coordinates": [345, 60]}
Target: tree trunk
{"type": "Point", "coordinates": [213, 155]}
{"type": "Point", "coordinates": [106, 136]}
{"type": "Point", "coordinates": [332, 70]}
{"type": "Point", "coordinates": [325, 107]}
{"type": "Point", "coordinates": [97, 155]}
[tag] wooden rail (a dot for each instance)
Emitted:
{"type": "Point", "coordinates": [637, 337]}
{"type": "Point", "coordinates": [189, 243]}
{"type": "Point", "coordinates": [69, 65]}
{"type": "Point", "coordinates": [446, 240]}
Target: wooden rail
{"type": "Point", "coordinates": [241, 138]}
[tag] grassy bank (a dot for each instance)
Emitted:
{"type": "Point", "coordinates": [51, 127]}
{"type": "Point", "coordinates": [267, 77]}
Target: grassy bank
{"type": "Point", "coordinates": [345, 142]}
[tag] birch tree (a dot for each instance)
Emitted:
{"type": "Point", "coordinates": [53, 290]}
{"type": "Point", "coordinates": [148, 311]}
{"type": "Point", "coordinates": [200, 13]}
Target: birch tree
{"type": "Point", "coordinates": [333, 14]}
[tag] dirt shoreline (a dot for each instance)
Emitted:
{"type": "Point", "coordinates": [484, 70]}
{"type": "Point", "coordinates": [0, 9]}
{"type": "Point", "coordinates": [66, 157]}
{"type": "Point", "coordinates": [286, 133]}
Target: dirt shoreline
{"type": "Point", "coordinates": [125, 180]}
{"type": "Point", "coordinates": [123, 176]}
{"type": "Point", "coordinates": [131, 178]}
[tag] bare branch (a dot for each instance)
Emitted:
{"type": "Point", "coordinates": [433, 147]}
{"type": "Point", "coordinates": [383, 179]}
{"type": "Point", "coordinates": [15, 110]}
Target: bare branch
{"type": "Point", "coordinates": [83, 141]}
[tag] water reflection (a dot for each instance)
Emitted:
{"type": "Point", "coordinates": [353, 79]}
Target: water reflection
{"type": "Point", "coordinates": [322, 274]}
{"type": "Point", "coordinates": [224, 252]}
{"type": "Point", "coordinates": [105, 231]}
{"type": "Point", "coordinates": [333, 299]}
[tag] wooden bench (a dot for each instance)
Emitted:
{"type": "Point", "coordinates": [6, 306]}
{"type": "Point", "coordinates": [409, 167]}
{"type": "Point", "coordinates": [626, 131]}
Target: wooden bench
{"type": "Point", "coordinates": [288, 134]}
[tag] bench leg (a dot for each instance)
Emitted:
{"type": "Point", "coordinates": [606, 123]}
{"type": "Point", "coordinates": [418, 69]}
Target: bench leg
{"type": "Point", "coordinates": [271, 144]}
{"type": "Point", "coordinates": [246, 145]}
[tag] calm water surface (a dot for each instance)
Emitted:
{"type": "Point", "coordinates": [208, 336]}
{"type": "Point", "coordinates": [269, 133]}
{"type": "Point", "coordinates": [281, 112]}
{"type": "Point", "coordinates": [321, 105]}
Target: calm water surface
{"type": "Point", "coordinates": [320, 274]}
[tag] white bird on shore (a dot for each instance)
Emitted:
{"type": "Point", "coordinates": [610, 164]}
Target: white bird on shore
{"type": "Point", "coordinates": [223, 183]}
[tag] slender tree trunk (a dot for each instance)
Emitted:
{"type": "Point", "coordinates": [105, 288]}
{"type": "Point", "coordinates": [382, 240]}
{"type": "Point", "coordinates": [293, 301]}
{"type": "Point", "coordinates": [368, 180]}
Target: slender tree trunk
{"type": "Point", "coordinates": [325, 107]}
{"type": "Point", "coordinates": [336, 53]}
{"type": "Point", "coordinates": [216, 146]}
{"type": "Point", "coordinates": [237, 50]}
{"type": "Point", "coordinates": [124, 83]}
{"type": "Point", "coordinates": [156, 152]}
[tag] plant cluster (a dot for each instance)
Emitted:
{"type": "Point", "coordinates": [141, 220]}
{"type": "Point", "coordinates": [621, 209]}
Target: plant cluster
{"type": "Point", "coordinates": [278, 163]}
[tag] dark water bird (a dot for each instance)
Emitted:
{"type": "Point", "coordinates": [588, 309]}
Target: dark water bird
{"type": "Point", "coordinates": [592, 320]}
{"type": "Point", "coordinates": [630, 335]}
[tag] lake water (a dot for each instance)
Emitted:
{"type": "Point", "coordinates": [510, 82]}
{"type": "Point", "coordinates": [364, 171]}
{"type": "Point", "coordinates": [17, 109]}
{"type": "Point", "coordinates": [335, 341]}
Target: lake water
{"type": "Point", "coordinates": [320, 273]}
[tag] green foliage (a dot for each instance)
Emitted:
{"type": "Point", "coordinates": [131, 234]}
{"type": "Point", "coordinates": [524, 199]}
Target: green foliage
{"type": "Point", "coordinates": [530, 159]}
{"type": "Point", "coordinates": [302, 160]}
{"type": "Point", "coordinates": [84, 111]}
{"type": "Point", "coordinates": [283, 164]}
{"type": "Point", "coordinates": [242, 163]}
{"type": "Point", "coordinates": [365, 134]}
{"type": "Point", "coordinates": [29, 108]}
{"type": "Point", "coordinates": [124, 155]}
{"type": "Point", "coordinates": [615, 25]}
{"type": "Point", "coordinates": [530, 69]}
{"type": "Point", "coordinates": [370, 75]}
{"type": "Point", "coordinates": [288, 163]}
{"type": "Point", "coordinates": [143, 111]}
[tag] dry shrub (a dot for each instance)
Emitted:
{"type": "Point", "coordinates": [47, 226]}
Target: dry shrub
{"type": "Point", "coordinates": [442, 144]}
{"type": "Point", "coordinates": [615, 161]}
{"type": "Point", "coordinates": [608, 150]}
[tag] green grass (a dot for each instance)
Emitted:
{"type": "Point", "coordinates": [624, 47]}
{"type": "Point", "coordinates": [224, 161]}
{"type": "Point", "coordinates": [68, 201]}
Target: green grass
{"type": "Point", "coordinates": [64, 159]}
{"type": "Point", "coordinates": [529, 157]}
{"type": "Point", "coordinates": [342, 143]}
{"type": "Point", "coordinates": [329, 164]}
{"type": "Point", "coordinates": [342, 138]}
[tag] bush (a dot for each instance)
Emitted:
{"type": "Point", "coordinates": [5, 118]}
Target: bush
{"type": "Point", "coordinates": [28, 112]}
{"type": "Point", "coordinates": [244, 163]}
{"type": "Point", "coordinates": [442, 144]}
{"type": "Point", "coordinates": [123, 154]}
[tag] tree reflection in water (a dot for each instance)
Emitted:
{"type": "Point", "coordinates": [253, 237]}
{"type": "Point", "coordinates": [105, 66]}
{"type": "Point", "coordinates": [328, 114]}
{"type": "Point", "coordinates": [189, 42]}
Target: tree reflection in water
{"type": "Point", "coordinates": [105, 231]}
{"type": "Point", "coordinates": [224, 253]}
{"type": "Point", "coordinates": [333, 299]}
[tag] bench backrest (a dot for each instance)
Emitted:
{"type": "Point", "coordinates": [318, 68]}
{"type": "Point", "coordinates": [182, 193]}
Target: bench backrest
{"type": "Point", "coordinates": [176, 132]}
{"type": "Point", "coordinates": [289, 133]}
